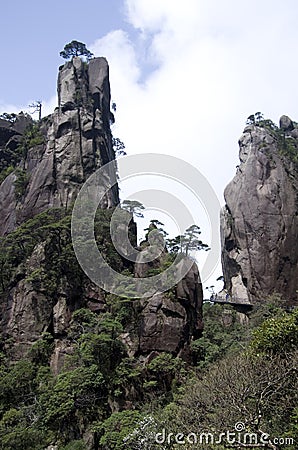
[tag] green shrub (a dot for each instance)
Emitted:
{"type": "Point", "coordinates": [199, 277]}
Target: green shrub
{"type": "Point", "coordinates": [21, 182]}
{"type": "Point", "coordinates": [72, 394]}
{"type": "Point", "coordinates": [117, 428]}
{"type": "Point", "coordinates": [277, 334]}
{"type": "Point", "coordinates": [17, 384]}
{"type": "Point", "coordinates": [41, 350]}
{"type": "Point", "coordinates": [5, 172]}
{"type": "Point", "coordinates": [219, 338]}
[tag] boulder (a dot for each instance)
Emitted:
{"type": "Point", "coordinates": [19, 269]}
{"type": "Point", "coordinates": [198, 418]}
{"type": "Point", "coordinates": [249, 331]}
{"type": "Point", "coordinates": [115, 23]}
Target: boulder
{"type": "Point", "coordinates": [162, 326]}
{"type": "Point", "coordinates": [285, 123]}
{"type": "Point", "coordinates": [170, 320]}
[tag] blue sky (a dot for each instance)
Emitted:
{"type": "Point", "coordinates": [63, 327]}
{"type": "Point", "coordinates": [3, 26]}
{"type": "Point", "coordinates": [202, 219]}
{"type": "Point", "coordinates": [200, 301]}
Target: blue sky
{"type": "Point", "coordinates": [33, 33]}
{"type": "Point", "coordinates": [185, 75]}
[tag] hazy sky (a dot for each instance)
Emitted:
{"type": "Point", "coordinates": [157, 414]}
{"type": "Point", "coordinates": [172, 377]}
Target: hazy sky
{"type": "Point", "coordinates": [185, 75]}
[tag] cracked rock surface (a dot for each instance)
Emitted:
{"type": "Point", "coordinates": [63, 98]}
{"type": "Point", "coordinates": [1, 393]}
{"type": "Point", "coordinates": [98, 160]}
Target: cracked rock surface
{"type": "Point", "coordinates": [76, 141]}
{"type": "Point", "coordinates": [259, 223]}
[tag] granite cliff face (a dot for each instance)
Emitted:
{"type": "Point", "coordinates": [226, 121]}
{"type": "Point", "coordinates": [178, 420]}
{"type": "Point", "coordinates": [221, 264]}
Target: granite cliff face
{"type": "Point", "coordinates": [259, 223]}
{"type": "Point", "coordinates": [79, 353]}
{"type": "Point", "coordinates": [70, 145]}
{"type": "Point", "coordinates": [44, 286]}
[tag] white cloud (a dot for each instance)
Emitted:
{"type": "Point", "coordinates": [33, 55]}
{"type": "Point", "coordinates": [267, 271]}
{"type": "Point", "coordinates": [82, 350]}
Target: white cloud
{"type": "Point", "coordinates": [48, 107]}
{"type": "Point", "coordinates": [119, 50]}
{"type": "Point", "coordinates": [215, 63]}
{"type": "Point", "coordinates": [10, 108]}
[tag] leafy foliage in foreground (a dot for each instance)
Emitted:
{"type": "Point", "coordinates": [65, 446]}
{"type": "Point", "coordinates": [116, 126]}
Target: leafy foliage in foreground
{"type": "Point", "coordinates": [252, 383]}
{"type": "Point", "coordinates": [37, 407]}
{"type": "Point", "coordinates": [244, 373]}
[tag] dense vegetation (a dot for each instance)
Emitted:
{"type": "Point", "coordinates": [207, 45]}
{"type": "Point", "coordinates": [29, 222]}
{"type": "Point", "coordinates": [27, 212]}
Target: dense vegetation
{"type": "Point", "coordinates": [240, 373]}
{"type": "Point", "coordinates": [37, 407]}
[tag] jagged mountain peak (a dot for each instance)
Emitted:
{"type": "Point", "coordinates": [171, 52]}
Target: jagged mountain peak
{"type": "Point", "coordinates": [259, 223]}
{"type": "Point", "coordinates": [57, 154]}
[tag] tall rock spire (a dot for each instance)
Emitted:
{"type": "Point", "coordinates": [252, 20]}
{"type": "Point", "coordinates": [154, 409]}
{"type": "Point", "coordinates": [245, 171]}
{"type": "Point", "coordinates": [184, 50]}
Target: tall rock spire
{"type": "Point", "coordinates": [65, 148]}
{"type": "Point", "coordinates": [259, 223]}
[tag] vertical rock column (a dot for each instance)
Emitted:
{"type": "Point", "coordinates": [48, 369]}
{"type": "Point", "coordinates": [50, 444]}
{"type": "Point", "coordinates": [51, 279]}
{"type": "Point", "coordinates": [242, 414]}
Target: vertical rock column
{"type": "Point", "coordinates": [77, 142]}
{"type": "Point", "coordinates": [259, 224]}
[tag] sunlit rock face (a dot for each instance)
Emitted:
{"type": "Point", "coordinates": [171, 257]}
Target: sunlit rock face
{"type": "Point", "coordinates": [259, 223]}
{"type": "Point", "coordinates": [71, 144]}
{"type": "Point", "coordinates": [40, 294]}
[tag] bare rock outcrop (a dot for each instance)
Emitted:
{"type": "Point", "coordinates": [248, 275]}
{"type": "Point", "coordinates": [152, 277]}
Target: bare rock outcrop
{"type": "Point", "coordinates": [259, 223]}
{"type": "Point", "coordinates": [11, 131]}
{"type": "Point", "coordinates": [170, 320]}
{"type": "Point", "coordinates": [60, 152]}
{"type": "Point", "coordinates": [72, 143]}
